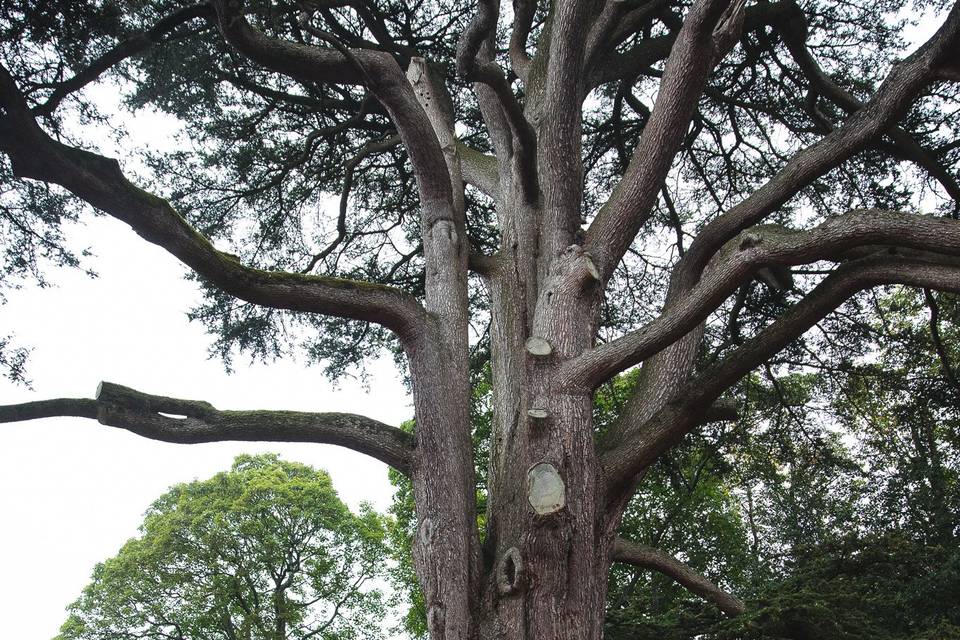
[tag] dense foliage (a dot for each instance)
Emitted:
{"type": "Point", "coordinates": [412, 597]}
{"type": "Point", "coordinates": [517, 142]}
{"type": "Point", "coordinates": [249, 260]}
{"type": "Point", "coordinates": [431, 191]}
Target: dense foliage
{"type": "Point", "coordinates": [265, 551]}
{"type": "Point", "coordinates": [832, 506]}
{"type": "Point", "coordinates": [251, 141]}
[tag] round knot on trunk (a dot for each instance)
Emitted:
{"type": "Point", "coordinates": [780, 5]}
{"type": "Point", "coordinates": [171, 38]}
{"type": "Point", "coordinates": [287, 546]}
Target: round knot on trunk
{"type": "Point", "coordinates": [545, 489]}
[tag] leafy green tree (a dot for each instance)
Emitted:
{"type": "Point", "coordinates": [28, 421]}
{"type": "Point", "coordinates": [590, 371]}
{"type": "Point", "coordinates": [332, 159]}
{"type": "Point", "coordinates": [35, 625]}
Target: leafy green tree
{"type": "Point", "coordinates": [265, 551]}
{"type": "Point", "coordinates": [840, 518]}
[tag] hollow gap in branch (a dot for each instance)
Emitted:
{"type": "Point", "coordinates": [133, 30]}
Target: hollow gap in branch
{"type": "Point", "coordinates": [510, 571]}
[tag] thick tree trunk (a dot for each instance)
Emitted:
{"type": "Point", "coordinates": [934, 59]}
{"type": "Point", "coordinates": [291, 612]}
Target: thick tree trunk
{"type": "Point", "coordinates": [545, 559]}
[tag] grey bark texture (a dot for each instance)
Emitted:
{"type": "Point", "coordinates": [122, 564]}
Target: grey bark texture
{"type": "Point", "coordinates": [556, 495]}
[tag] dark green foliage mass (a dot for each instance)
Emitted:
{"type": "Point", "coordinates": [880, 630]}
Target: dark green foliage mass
{"type": "Point", "coordinates": [887, 587]}
{"type": "Point", "coordinates": [265, 551]}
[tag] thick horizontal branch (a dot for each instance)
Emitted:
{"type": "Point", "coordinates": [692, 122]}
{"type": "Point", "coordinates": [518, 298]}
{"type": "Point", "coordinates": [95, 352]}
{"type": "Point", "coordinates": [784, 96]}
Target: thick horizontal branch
{"type": "Point", "coordinates": [75, 407]}
{"type": "Point", "coordinates": [100, 182]}
{"type": "Point", "coordinates": [301, 61]}
{"type": "Point", "coordinates": [656, 560]}
{"type": "Point", "coordinates": [741, 259]}
{"type": "Point", "coordinates": [645, 443]}
{"type": "Point", "coordinates": [193, 421]}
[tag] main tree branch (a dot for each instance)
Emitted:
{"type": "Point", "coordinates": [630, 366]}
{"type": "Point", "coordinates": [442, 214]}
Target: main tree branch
{"type": "Point", "coordinates": [706, 33]}
{"type": "Point", "coordinates": [644, 443]}
{"type": "Point", "coordinates": [656, 560]}
{"type": "Point", "coordinates": [99, 181]}
{"type": "Point", "coordinates": [193, 421]}
{"type": "Point", "coordinates": [740, 260]}
{"type": "Point", "coordinates": [439, 362]}
{"type": "Point", "coordinates": [666, 372]}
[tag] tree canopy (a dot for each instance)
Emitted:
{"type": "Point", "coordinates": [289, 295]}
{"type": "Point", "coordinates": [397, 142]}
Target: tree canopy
{"type": "Point", "coordinates": [741, 199]}
{"type": "Point", "coordinates": [264, 551]}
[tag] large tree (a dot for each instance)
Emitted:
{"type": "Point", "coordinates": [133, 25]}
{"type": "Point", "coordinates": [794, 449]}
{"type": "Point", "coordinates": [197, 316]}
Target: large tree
{"type": "Point", "coordinates": [562, 192]}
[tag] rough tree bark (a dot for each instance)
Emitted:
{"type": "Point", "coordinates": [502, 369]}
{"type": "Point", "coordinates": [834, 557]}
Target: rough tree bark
{"type": "Point", "coordinates": [556, 492]}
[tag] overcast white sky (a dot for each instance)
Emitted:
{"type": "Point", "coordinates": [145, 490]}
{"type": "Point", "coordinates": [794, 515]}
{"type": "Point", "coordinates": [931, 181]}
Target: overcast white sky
{"type": "Point", "coordinates": [73, 491]}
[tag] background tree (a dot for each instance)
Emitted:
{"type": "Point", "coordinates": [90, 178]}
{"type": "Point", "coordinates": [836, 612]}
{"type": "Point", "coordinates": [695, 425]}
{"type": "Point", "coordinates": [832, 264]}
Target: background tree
{"type": "Point", "coordinates": [830, 508]}
{"type": "Point", "coordinates": [560, 192]}
{"type": "Point", "coordinates": [266, 550]}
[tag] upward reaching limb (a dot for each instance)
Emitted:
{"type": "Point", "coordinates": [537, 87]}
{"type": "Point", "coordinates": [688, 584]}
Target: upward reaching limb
{"type": "Point", "coordinates": [667, 371]}
{"type": "Point", "coordinates": [523, 12]}
{"type": "Point", "coordinates": [901, 87]}
{"type": "Point", "coordinates": [559, 124]}
{"type": "Point", "coordinates": [698, 47]}
{"type": "Point", "coordinates": [793, 28]}
{"type": "Point", "coordinates": [473, 63]}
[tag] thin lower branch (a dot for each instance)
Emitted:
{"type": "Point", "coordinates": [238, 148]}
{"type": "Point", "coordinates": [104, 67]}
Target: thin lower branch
{"type": "Point", "coordinates": [371, 148]}
{"type": "Point", "coordinates": [127, 48]}
{"type": "Point", "coordinates": [948, 370]}
{"type": "Point", "coordinates": [656, 560]}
